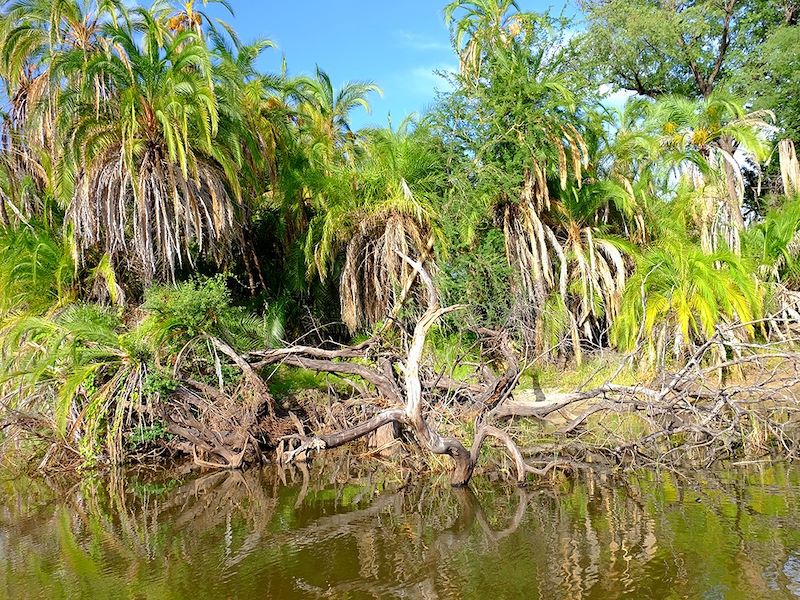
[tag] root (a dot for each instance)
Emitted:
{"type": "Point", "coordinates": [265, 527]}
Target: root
{"type": "Point", "coordinates": [410, 418]}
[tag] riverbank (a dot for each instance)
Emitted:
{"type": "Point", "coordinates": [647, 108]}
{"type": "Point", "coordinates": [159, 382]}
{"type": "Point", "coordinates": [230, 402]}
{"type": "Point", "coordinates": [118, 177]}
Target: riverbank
{"type": "Point", "coordinates": [291, 405]}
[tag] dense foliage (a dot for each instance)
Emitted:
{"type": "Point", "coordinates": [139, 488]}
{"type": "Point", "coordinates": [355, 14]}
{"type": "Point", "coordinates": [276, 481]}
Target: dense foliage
{"type": "Point", "coordinates": [162, 200]}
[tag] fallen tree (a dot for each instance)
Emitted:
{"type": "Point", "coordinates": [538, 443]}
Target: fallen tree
{"type": "Point", "coordinates": [221, 430]}
{"type": "Point", "coordinates": [405, 392]}
{"type": "Point", "coordinates": [731, 400]}
{"type": "Point", "coordinates": [689, 417]}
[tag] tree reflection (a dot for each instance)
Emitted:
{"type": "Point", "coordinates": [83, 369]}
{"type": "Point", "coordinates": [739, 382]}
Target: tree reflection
{"type": "Point", "coordinates": [339, 530]}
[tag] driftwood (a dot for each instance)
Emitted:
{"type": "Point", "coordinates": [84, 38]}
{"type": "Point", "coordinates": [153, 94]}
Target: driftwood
{"type": "Point", "coordinates": [218, 428]}
{"type": "Point", "coordinates": [692, 414]}
{"type": "Point", "coordinates": [406, 392]}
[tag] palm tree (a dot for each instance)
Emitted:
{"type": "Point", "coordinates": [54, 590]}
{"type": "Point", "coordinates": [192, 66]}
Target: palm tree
{"type": "Point", "coordinates": [115, 116]}
{"type": "Point", "coordinates": [706, 141]}
{"type": "Point", "coordinates": [188, 18]}
{"type": "Point", "coordinates": [477, 25]}
{"type": "Point", "coordinates": [36, 271]}
{"type": "Point", "coordinates": [79, 366]}
{"type": "Point", "coordinates": [679, 295]}
{"type": "Point", "coordinates": [32, 34]}
{"type": "Point", "coordinates": [261, 136]}
{"type": "Point", "coordinates": [381, 211]}
{"type": "Point", "coordinates": [154, 182]}
{"type": "Point", "coordinates": [319, 145]}
{"type": "Point", "coordinates": [774, 246]}
{"type": "Point", "coordinates": [325, 112]}
{"type": "Point", "coordinates": [592, 262]}
{"type": "Point", "coordinates": [307, 121]}
{"type": "Point", "coordinates": [627, 156]}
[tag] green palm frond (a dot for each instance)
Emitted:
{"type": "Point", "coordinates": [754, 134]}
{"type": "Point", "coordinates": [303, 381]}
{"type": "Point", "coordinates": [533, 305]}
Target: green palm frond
{"type": "Point", "coordinates": [680, 290]}
{"type": "Point", "coordinates": [36, 270]}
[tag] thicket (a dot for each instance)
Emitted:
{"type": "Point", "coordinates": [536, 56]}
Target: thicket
{"type": "Point", "coordinates": [171, 216]}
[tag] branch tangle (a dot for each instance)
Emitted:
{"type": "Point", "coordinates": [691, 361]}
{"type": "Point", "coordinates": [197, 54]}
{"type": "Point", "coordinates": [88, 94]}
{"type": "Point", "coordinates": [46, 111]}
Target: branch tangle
{"type": "Point", "coordinates": [410, 417]}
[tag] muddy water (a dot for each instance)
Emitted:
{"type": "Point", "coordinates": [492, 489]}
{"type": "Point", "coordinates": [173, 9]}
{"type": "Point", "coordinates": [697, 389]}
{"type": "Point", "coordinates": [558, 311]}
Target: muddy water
{"type": "Point", "coordinates": [334, 533]}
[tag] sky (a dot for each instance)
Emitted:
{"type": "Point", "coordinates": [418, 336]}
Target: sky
{"type": "Point", "coordinates": [397, 44]}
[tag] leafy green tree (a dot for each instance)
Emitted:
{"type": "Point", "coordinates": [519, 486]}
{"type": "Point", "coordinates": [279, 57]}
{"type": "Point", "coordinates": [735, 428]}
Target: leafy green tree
{"type": "Point", "coordinates": [530, 160]}
{"type": "Point", "coordinates": [684, 47]}
{"type": "Point", "coordinates": [771, 77]}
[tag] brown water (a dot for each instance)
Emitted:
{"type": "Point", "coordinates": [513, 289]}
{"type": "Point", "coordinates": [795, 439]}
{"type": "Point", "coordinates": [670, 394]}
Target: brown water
{"type": "Point", "coordinates": [335, 534]}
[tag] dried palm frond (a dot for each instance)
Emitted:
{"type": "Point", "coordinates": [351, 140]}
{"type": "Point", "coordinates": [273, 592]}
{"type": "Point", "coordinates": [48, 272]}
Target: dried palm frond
{"type": "Point", "coordinates": [155, 220]}
{"type": "Point", "coordinates": [790, 167]}
{"type": "Point", "coordinates": [374, 272]}
{"type": "Point", "coordinates": [587, 270]}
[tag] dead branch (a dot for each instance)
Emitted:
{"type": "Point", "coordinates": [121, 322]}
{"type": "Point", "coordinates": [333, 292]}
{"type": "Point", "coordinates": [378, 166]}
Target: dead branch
{"type": "Point", "coordinates": [687, 414]}
{"type": "Point", "coordinates": [409, 391]}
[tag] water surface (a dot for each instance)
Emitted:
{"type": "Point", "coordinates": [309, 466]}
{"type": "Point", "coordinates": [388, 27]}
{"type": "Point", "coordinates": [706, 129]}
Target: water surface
{"type": "Point", "coordinates": [333, 533]}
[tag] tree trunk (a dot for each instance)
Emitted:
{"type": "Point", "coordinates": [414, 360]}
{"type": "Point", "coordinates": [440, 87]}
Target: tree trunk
{"type": "Point", "coordinates": [410, 417]}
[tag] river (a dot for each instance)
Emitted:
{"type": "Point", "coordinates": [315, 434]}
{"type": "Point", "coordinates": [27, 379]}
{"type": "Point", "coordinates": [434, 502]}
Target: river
{"type": "Point", "coordinates": [364, 532]}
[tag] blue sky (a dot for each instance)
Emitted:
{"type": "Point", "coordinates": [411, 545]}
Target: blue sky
{"type": "Point", "coordinates": [398, 44]}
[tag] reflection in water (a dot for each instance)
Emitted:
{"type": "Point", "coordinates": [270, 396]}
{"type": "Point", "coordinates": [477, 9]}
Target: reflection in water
{"type": "Point", "coordinates": [335, 533]}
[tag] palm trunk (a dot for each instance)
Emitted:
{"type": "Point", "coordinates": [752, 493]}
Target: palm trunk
{"type": "Point", "coordinates": [790, 167]}
{"type": "Point", "coordinates": [4, 221]}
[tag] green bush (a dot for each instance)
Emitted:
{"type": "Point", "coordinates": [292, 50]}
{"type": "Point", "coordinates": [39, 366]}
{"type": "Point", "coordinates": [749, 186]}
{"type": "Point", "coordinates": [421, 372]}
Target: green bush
{"type": "Point", "coordinates": [177, 314]}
